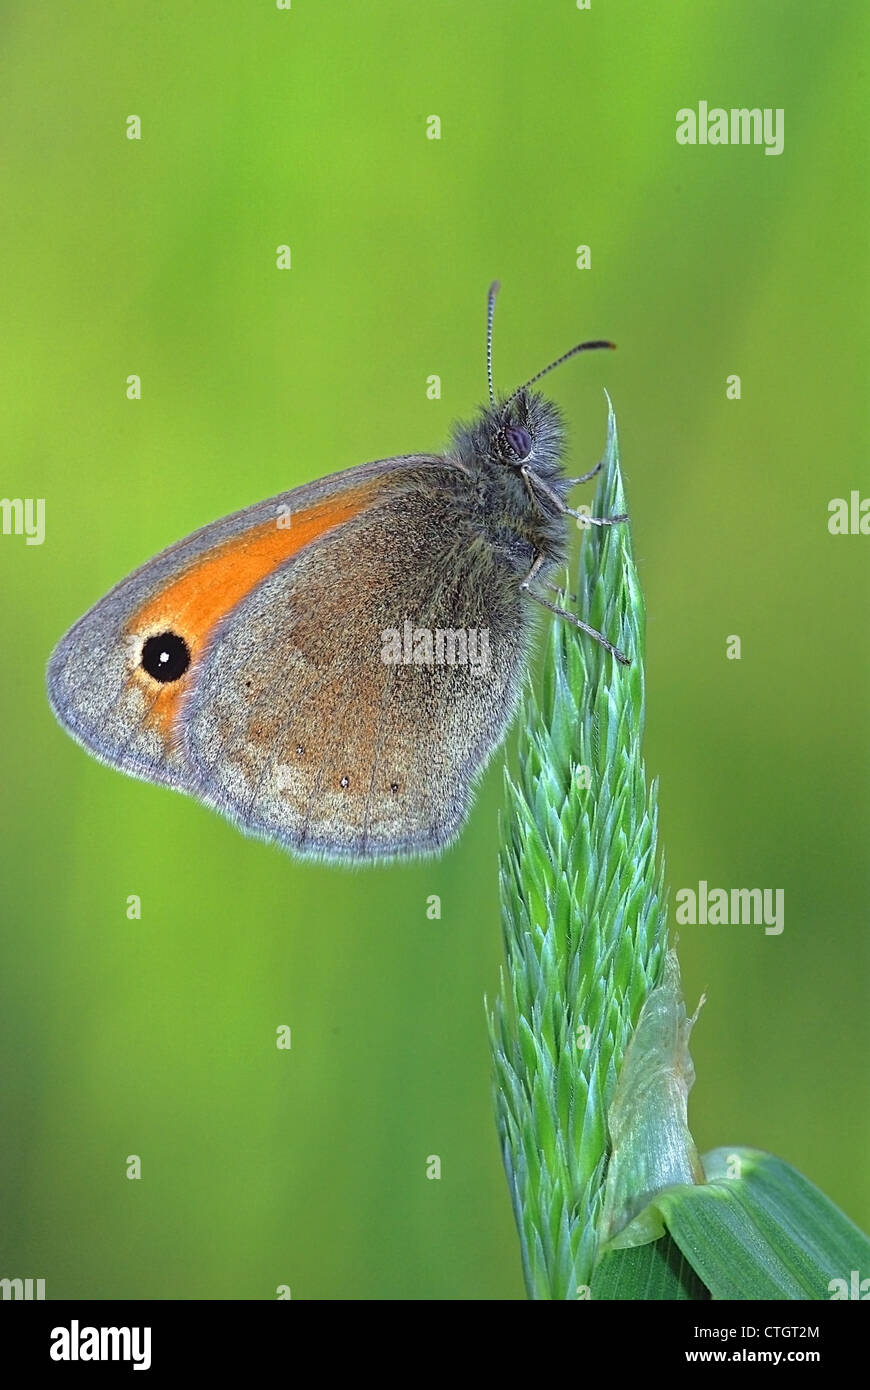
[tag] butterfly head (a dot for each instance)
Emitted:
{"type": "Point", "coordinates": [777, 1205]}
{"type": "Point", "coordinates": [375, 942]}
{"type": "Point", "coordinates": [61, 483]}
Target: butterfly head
{"type": "Point", "coordinates": [523, 430]}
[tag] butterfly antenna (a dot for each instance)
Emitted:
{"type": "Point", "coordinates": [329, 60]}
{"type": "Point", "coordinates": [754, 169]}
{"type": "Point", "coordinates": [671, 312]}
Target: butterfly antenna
{"type": "Point", "coordinates": [580, 347]}
{"type": "Point", "coordinates": [490, 312]}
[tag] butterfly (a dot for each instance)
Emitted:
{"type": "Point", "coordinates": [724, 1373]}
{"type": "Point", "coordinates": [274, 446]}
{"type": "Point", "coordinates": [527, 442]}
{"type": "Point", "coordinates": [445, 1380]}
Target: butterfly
{"type": "Point", "coordinates": [331, 669]}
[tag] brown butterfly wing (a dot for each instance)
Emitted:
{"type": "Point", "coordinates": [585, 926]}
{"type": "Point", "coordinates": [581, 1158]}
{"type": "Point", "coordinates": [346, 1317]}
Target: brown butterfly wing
{"type": "Point", "coordinates": [97, 685]}
{"type": "Point", "coordinates": [300, 731]}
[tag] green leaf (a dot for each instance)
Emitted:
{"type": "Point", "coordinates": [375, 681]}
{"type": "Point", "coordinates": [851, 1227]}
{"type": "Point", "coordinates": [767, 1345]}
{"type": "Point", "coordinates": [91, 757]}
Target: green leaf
{"type": "Point", "coordinates": [656, 1271]}
{"type": "Point", "coordinates": [758, 1229]}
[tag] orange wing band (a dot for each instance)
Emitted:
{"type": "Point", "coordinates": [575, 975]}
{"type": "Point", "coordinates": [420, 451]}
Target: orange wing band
{"type": "Point", "coordinates": [193, 604]}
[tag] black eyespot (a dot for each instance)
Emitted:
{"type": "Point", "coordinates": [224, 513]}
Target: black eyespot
{"type": "Point", "coordinates": [299, 750]}
{"type": "Point", "coordinates": [345, 782]}
{"type": "Point", "coordinates": [165, 657]}
{"type": "Point", "coordinates": [519, 440]}
{"type": "Point", "coordinates": [394, 787]}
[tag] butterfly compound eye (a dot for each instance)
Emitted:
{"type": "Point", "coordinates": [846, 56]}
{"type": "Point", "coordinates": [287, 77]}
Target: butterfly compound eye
{"type": "Point", "coordinates": [165, 657]}
{"type": "Point", "coordinates": [519, 440]}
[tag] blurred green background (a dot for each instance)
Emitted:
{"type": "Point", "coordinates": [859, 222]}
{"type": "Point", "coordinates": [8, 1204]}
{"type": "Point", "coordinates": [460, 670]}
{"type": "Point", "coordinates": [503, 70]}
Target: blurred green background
{"type": "Point", "coordinates": [157, 257]}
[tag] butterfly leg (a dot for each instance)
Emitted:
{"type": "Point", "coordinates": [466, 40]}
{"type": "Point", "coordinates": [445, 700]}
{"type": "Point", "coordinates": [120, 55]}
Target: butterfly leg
{"type": "Point", "coordinates": [584, 477]}
{"type": "Point", "coordinates": [557, 590]}
{"type": "Point", "coordinates": [597, 520]}
{"type": "Point", "coordinates": [570, 617]}
{"type": "Point", "coordinates": [532, 481]}
{"type": "Point", "coordinates": [536, 565]}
